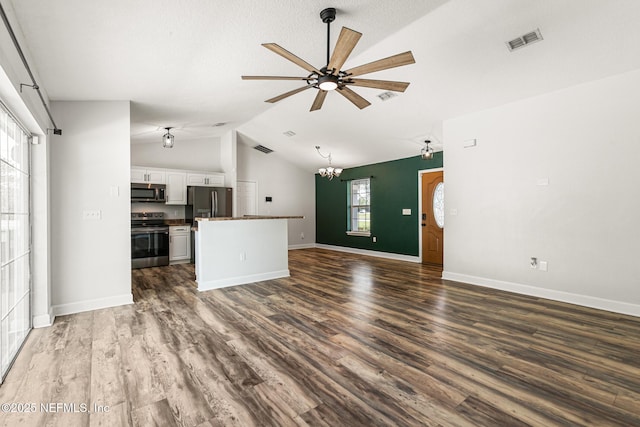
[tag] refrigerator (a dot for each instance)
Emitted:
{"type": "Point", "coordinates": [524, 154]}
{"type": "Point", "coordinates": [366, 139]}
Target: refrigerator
{"type": "Point", "coordinates": [207, 202]}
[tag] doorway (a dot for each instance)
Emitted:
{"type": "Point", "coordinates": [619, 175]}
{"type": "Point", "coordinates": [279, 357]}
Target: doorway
{"type": "Point", "coordinates": [432, 217]}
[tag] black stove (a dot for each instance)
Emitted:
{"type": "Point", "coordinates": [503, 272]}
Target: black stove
{"type": "Point", "coordinates": [149, 240]}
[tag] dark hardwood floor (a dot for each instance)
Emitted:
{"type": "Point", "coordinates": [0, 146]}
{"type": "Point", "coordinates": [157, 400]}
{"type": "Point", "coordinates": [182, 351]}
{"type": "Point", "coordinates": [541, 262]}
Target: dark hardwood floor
{"type": "Point", "coordinates": [347, 340]}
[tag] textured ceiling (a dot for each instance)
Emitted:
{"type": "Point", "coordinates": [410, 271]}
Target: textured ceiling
{"type": "Point", "coordinates": [180, 62]}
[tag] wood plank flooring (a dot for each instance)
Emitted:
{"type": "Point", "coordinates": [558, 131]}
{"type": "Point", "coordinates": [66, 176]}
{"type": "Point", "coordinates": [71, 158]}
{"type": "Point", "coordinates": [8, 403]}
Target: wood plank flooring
{"type": "Point", "coordinates": [347, 340]}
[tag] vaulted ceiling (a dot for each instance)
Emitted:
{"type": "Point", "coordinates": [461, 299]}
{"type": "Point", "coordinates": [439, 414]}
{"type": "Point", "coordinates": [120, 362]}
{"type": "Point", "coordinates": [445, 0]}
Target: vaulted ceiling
{"type": "Point", "coordinates": [180, 63]}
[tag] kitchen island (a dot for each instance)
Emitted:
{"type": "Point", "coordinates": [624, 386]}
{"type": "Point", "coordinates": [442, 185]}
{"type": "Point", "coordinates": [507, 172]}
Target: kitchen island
{"type": "Point", "coordinates": [238, 250]}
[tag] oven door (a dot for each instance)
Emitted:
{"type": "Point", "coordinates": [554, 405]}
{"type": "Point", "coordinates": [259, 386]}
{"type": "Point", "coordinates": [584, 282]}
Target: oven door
{"type": "Point", "coordinates": [149, 247]}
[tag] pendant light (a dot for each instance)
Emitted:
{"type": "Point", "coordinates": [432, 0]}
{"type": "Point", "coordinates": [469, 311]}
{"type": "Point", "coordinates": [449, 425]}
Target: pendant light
{"type": "Point", "coordinates": [167, 139]}
{"type": "Point", "coordinates": [427, 152]}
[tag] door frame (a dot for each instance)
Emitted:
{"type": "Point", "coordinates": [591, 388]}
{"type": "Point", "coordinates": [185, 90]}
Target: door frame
{"type": "Point", "coordinates": [420, 173]}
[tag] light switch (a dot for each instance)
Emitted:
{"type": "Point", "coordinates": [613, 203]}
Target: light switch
{"type": "Point", "coordinates": [406, 211]}
{"type": "Point", "coordinates": [114, 191]}
{"type": "Point", "coordinates": [454, 212]}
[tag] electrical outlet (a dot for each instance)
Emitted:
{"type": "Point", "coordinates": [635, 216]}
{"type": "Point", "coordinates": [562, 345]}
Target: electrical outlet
{"type": "Point", "coordinates": [534, 262]}
{"type": "Point", "coordinates": [92, 215]}
{"type": "Point", "coordinates": [302, 236]}
{"type": "Point", "coordinates": [243, 256]}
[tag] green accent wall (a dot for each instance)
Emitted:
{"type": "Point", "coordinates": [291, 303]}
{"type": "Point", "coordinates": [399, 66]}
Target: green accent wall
{"type": "Point", "coordinates": [394, 186]}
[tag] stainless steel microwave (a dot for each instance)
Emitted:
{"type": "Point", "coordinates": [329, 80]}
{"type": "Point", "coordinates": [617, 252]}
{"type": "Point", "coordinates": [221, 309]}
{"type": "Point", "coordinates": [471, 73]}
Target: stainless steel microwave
{"type": "Point", "coordinates": [148, 193]}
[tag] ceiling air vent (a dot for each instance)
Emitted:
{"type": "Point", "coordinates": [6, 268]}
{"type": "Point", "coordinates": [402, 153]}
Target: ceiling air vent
{"type": "Point", "coordinates": [263, 149]}
{"type": "Point", "coordinates": [525, 40]}
{"type": "Point", "coordinates": [384, 96]}
{"type": "Point", "coordinates": [289, 133]}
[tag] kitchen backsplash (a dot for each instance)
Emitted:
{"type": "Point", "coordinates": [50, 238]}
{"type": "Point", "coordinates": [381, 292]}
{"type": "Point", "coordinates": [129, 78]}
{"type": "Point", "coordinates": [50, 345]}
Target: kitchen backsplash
{"type": "Point", "coordinates": [170, 211]}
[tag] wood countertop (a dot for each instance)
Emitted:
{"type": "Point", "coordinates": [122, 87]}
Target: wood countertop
{"type": "Point", "coordinates": [249, 217]}
{"type": "Point", "coordinates": [174, 222]}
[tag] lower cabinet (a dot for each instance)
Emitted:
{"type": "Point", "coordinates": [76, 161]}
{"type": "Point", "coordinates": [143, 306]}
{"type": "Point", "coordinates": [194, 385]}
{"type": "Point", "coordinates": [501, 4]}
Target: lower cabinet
{"type": "Point", "coordinates": [179, 243]}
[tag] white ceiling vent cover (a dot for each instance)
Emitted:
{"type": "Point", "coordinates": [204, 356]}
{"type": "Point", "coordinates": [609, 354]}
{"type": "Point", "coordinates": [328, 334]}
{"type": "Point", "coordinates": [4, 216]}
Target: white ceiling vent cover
{"type": "Point", "coordinates": [385, 96]}
{"type": "Point", "coordinates": [263, 149]}
{"type": "Point", "coordinates": [525, 40]}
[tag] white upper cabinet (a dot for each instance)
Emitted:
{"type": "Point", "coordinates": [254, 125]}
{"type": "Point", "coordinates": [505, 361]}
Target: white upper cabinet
{"type": "Point", "coordinates": [176, 181]}
{"type": "Point", "coordinates": [176, 188]}
{"type": "Point", "coordinates": [207, 179]}
{"type": "Point", "coordinates": [142, 175]}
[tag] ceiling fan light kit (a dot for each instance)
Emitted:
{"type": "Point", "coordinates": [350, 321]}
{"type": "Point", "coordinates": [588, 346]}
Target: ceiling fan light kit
{"type": "Point", "coordinates": [327, 82]}
{"type": "Point", "coordinates": [331, 77]}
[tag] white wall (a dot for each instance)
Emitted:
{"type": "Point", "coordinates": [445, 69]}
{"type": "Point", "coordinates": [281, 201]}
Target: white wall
{"type": "Point", "coordinates": [90, 170]}
{"type": "Point", "coordinates": [292, 190]}
{"type": "Point", "coordinates": [586, 141]}
{"type": "Point", "coordinates": [229, 160]}
{"type": "Point", "coordinates": [195, 154]}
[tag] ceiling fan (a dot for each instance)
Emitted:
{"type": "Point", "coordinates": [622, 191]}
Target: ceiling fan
{"type": "Point", "coordinates": [331, 77]}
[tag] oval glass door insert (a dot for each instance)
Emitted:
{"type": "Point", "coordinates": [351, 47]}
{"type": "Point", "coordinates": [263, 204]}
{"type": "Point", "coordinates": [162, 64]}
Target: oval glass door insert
{"type": "Point", "coordinates": [438, 204]}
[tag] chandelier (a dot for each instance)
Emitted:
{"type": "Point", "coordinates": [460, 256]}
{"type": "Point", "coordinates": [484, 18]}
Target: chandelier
{"type": "Point", "coordinates": [328, 172]}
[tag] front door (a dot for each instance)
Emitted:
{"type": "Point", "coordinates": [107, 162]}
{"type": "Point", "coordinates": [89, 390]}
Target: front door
{"type": "Point", "coordinates": [432, 218]}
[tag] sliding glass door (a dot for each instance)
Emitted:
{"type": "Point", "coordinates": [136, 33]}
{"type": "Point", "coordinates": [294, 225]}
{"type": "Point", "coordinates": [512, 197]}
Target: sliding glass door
{"type": "Point", "coordinates": [15, 240]}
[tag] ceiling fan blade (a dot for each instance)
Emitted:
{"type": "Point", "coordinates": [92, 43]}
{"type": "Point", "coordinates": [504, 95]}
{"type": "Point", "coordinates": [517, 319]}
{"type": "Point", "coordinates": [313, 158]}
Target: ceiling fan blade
{"type": "Point", "coordinates": [291, 57]}
{"type": "Point", "coordinates": [344, 46]}
{"type": "Point", "coordinates": [398, 60]}
{"type": "Point", "coordinates": [272, 78]}
{"type": "Point", "coordinates": [379, 84]}
{"type": "Point", "coordinates": [287, 94]}
{"type": "Point", "coordinates": [317, 103]}
{"type": "Point", "coordinates": [357, 100]}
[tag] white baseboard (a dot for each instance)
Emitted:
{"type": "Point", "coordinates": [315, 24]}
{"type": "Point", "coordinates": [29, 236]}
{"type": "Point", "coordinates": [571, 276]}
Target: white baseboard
{"type": "Point", "coordinates": [44, 320]}
{"type": "Point", "coordinates": [378, 254]}
{"type": "Point", "coordinates": [583, 300]}
{"type": "Point", "coordinates": [241, 280]}
{"type": "Point", "coordinates": [95, 304]}
{"type": "Point", "coordinates": [304, 246]}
